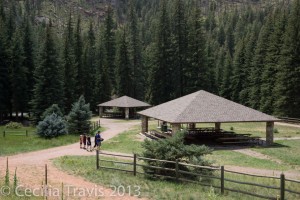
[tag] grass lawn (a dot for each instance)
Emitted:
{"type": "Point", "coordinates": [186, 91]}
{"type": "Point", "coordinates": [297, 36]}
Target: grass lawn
{"type": "Point", "coordinates": [286, 150]}
{"type": "Point", "coordinates": [229, 157]}
{"type": "Point", "coordinates": [127, 142]}
{"type": "Point", "coordinates": [162, 189]}
{"type": "Point", "coordinates": [130, 142]}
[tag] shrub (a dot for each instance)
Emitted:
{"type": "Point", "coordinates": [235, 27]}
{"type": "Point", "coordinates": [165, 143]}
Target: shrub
{"type": "Point", "coordinates": [174, 149]}
{"type": "Point", "coordinates": [275, 130]}
{"type": "Point", "coordinates": [79, 117]}
{"type": "Point", "coordinates": [13, 125]}
{"type": "Point", "coordinates": [231, 128]}
{"type": "Point", "coordinates": [52, 126]}
{"type": "Point", "coordinates": [52, 109]}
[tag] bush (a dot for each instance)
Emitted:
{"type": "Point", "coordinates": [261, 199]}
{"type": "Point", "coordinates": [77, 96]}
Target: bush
{"type": "Point", "coordinates": [231, 128]}
{"type": "Point", "coordinates": [13, 125]}
{"type": "Point", "coordinates": [52, 109]}
{"type": "Point", "coordinates": [173, 149]}
{"type": "Point", "coordinates": [79, 117]}
{"type": "Point", "coordinates": [275, 130]}
{"type": "Point", "coordinates": [52, 126]}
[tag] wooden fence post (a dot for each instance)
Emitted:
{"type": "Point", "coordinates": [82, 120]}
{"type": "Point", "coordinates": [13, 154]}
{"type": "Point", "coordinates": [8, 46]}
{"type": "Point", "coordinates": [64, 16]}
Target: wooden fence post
{"type": "Point", "coordinates": [26, 133]}
{"type": "Point", "coordinates": [3, 133]}
{"type": "Point", "coordinates": [282, 186]}
{"type": "Point", "coordinates": [177, 170]}
{"type": "Point", "coordinates": [134, 164]}
{"type": "Point", "coordinates": [97, 159]}
{"type": "Point", "coordinates": [222, 179]}
{"type": "Point", "coordinates": [46, 182]}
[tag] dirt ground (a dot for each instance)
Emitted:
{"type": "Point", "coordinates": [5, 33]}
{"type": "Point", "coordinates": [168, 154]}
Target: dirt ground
{"type": "Point", "coordinates": [31, 169]}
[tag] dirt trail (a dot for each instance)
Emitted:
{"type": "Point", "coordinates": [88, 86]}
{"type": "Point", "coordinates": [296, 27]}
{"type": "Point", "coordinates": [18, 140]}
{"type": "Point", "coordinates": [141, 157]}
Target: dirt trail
{"type": "Point", "coordinates": [30, 168]}
{"type": "Point", "coordinates": [287, 124]}
{"type": "Point", "coordinates": [255, 154]}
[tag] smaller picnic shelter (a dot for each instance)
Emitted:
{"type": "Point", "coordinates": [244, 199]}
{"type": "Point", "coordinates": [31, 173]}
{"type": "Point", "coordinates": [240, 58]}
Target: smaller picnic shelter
{"type": "Point", "coordinates": [204, 107]}
{"type": "Point", "coordinates": [127, 105]}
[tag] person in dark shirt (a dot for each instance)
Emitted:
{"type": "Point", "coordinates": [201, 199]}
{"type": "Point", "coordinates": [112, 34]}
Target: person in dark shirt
{"type": "Point", "coordinates": [84, 141]}
{"type": "Point", "coordinates": [89, 143]}
{"type": "Point", "coordinates": [98, 140]}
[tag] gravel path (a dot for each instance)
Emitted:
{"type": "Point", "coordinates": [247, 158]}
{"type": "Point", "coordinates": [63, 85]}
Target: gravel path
{"type": "Point", "coordinates": [30, 169]}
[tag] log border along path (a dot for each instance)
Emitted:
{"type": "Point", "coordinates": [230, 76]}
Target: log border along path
{"type": "Point", "coordinates": [31, 169]}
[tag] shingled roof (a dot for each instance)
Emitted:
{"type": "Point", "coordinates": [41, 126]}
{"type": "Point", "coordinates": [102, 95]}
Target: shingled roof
{"type": "Point", "coordinates": [124, 102]}
{"type": "Point", "coordinates": [203, 106]}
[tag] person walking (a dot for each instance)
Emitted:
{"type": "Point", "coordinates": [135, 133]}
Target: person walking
{"type": "Point", "coordinates": [84, 141]}
{"type": "Point", "coordinates": [80, 140]}
{"type": "Point", "coordinates": [88, 140]}
{"type": "Point", "coordinates": [98, 140]}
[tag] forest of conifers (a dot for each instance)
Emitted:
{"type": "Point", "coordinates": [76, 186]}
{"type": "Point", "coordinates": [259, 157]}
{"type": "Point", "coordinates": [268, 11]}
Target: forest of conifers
{"type": "Point", "coordinates": [152, 50]}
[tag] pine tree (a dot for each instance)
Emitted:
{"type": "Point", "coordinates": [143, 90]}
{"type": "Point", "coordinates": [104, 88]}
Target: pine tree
{"type": "Point", "coordinates": [288, 82]}
{"type": "Point", "coordinates": [196, 72]}
{"type": "Point", "coordinates": [258, 64]}
{"type": "Point", "coordinates": [69, 67]}
{"type": "Point", "coordinates": [90, 63]}
{"type": "Point", "coordinates": [109, 43]}
{"type": "Point", "coordinates": [272, 63]}
{"type": "Point", "coordinates": [78, 50]}
{"type": "Point", "coordinates": [225, 90]}
{"type": "Point", "coordinates": [79, 117]}
{"type": "Point", "coordinates": [18, 75]}
{"type": "Point", "coordinates": [160, 85]}
{"type": "Point", "coordinates": [135, 53]}
{"type": "Point", "coordinates": [48, 88]}
{"type": "Point", "coordinates": [4, 70]}
{"type": "Point", "coordinates": [29, 57]}
{"type": "Point", "coordinates": [124, 74]}
{"type": "Point", "coordinates": [179, 47]}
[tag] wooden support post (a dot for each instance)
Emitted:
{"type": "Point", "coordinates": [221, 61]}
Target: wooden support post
{"type": "Point", "coordinates": [222, 179]}
{"type": "Point", "coordinates": [3, 133]}
{"type": "Point", "coordinates": [218, 126]}
{"type": "Point", "coordinates": [134, 164]}
{"type": "Point", "coordinates": [100, 111]}
{"type": "Point", "coordinates": [46, 175]}
{"type": "Point", "coordinates": [126, 113]}
{"type": "Point", "coordinates": [97, 159]}
{"type": "Point", "coordinates": [144, 124]}
{"type": "Point", "coordinates": [269, 133]}
{"type": "Point", "coordinates": [282, 186]}
{"type": "Point", "coordinates": [175, 128]}
{"type": "Point", "coordinates": [26, 133]}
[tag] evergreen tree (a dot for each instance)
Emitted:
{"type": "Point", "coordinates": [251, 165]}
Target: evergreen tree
{"type": "Point", "coordinates": [52, 126]}
{"type": "Point", "coordinates": [69, 66]}
{"type": "Point", "coordinates": [78, 50]}
{"type": "Point", "coordinates": [4, 70]}
{"type": "Point", "coordinates": [29, 57]}
{"type": "Point", "coordinates": [52, 109]}
{"type": "Point", "coordinates": [258, 64]}
{"type": "Point", "coordinates": [225, 90]}
{"type": "Point", "coordinates": [109, 43]}
{"type": "Point", "coordinates": [196, 71]}
{"type": "Point", "coordinates": [18, 75]}
{"type": "Point", "coordinates": [269, 73]}
{"type": "Point", "coordinates": [135, 54]}
{"type": "Point", "coordinates": [288, 82]}
{"type": "Point", "coordinates": [160, 86]}
{"type": "Point", "coordinates": [90, 63]}
{"type": "Point", "coordinates": [124, 75]}
{"type": "Point", "coordinates": [79, 117]}
{"type": "Point", "coordinates": [48, 88]}
{"type": "Point", "coordinates": [179, 47]}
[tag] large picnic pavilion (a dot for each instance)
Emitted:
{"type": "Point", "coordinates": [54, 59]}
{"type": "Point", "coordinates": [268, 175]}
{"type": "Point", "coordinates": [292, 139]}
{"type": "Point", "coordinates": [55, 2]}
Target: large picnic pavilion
{"type": "Point", "coordinates": [204, 107]}
{"type": "Point", "coordinates": [127, 104]}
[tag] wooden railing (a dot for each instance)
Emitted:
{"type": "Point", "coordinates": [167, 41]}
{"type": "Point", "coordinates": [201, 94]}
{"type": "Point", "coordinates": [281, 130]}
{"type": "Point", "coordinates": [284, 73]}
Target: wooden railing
{"type": "Point", "coordinates": [180, 175]}
{"type": "Point", "coordinates": [16, 133]}
{"type": "Point", "coordinates": [290, 120]}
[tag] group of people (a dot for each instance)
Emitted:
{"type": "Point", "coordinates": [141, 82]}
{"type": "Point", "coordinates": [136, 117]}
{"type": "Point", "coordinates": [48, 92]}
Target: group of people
{"type": "Point", "coordinates": [85, 141]}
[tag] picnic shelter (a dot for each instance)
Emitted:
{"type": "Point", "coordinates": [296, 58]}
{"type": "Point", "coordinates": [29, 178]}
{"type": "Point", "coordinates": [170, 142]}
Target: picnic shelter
{"type": "Point", "coordinates": [126, 104]}
{"type": "Point", "coordinates": [204, 107]}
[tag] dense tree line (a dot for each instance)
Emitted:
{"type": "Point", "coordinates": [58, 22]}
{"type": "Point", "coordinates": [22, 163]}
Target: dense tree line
{"type": "Point", "coordinates": [154, 51]}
